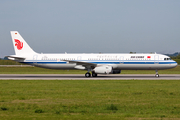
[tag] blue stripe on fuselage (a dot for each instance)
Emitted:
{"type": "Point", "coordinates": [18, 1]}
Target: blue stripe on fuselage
{"type": "Point", "coordinates": [102, 62]}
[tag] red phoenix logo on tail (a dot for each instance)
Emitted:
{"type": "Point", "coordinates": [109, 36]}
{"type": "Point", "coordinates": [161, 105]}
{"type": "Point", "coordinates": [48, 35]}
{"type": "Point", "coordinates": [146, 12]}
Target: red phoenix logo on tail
{"type": "Point", "coordinates": [19, 44]}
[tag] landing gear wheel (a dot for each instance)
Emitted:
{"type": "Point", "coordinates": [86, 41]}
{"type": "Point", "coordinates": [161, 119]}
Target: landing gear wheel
{"type": "Point", "coordinates": [94, 75]}
{"type": "Point", "coordinates": [87, 74]}
{"type": "Point", "coordinates": [157, 75]}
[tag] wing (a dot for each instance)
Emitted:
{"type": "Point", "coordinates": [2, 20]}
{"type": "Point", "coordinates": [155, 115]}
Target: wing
{"type": "Point", "coordinates": [85, 65]}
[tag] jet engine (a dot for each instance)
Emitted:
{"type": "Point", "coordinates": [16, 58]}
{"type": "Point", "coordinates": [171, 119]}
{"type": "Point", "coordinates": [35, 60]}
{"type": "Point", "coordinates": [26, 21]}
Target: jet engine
{"type": "Point", "coordinates": [103, 70]}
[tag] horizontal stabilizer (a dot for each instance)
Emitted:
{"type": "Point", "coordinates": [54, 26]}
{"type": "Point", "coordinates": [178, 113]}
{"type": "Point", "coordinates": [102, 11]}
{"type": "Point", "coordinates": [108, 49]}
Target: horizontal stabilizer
{"type": "Point", "coordinates": [13, 57]}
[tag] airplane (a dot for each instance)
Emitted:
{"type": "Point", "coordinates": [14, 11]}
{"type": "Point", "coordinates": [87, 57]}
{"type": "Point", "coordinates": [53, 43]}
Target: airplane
{"type": "Point", "coordinates": [95, 64]}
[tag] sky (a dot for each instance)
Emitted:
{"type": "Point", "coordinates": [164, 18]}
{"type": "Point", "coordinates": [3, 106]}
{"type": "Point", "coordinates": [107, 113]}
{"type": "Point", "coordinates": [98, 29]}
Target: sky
{"type": "Point", "coordinates": [91, 26]}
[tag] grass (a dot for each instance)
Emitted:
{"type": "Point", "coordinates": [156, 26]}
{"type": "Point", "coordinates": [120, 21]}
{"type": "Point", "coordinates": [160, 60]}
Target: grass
{"type": "Point", "coordinates": [177, 60]}
{"type": "Point", "coordinates": [77, 100]}
{"type": "Point", "coordinates": [36, 70]}
{"type": "Point", "coordinates": [9, 62]}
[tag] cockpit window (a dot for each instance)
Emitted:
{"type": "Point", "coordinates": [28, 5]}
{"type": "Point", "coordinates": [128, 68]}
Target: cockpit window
{"type": "Point", "coordinates": [167, 58]}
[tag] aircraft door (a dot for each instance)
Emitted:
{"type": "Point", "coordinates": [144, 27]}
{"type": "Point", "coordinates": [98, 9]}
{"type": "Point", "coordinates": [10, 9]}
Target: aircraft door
{"type": "Point", "coordinates": [156, 59]}
{"type": "Point", "coordinates": [79, 58]}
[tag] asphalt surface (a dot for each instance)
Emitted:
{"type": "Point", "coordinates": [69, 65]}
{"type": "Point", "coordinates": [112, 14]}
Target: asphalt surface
{"type": "Point", "coordinates": [82, 77]}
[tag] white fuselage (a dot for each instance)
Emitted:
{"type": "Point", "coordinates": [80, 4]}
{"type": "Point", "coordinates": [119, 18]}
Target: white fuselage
{"type": "Point", "coordinates": [117, 61]}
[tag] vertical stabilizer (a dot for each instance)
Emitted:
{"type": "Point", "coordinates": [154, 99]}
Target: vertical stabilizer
{"type": "Point", "coordinates": [20, 45]}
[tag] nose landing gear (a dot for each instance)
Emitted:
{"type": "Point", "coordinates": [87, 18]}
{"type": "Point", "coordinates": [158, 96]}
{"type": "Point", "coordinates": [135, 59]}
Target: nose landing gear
{"type": "Point", "coordinates": [157, 75]}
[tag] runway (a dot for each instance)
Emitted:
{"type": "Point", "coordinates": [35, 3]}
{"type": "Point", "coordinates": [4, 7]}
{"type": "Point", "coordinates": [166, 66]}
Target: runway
{"type": "Point", "coordinates": [82, 77]}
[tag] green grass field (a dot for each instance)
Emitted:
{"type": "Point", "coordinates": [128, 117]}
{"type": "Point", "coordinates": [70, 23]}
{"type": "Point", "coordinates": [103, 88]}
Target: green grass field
{"type": "Point", "coordinates": [96, 99]}
{"type": "Point", "coordinates": [9, 62]}
{"type": "Point", "coordinates": [178, 61]}
{"type": "Point", "coordinates": [36, 70]}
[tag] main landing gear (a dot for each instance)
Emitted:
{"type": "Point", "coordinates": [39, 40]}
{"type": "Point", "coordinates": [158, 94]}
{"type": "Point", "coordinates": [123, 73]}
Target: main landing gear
{"type": "Point", "coordinates": [157, 75]}
{"type": "Point", "coordinates": [88, 74]}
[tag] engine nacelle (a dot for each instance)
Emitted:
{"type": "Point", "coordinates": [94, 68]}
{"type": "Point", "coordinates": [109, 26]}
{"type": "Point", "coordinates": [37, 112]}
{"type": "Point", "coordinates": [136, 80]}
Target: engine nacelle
{"type": "Point", "coordinates": [103, 70]}
{"type": "Point", "coordinates": [116, 71]}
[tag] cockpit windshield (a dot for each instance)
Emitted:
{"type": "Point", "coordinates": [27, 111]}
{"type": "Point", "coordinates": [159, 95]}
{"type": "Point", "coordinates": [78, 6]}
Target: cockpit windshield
{"type": "Point", "coordinates": [167, 58]}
